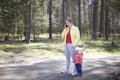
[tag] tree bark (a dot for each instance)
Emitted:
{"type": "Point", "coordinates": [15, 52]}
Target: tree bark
{"type": "Point", "coordinates": [84, 10]}
{"type": "Point", "coordinates": [79, 17]}
{"type": "Point", "coordinates": [50, 19]}
{"type": "Point", "coordinates": [70, 9]}
{"type": "Point", "coordinates": [101, 25]}
{"type": "Point", "coordinates": [30, 22]}
{"type": "Point", "coordinates": [63, 17]}
{"type": "Point", "coordinates": [95, 18]}
{"type": "Point", "coordinates": [106, 19]}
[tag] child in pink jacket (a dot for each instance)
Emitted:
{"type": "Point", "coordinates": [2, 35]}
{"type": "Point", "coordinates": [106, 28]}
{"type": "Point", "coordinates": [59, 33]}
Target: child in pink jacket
{"type": "Point", "coordinates": [78, 59]}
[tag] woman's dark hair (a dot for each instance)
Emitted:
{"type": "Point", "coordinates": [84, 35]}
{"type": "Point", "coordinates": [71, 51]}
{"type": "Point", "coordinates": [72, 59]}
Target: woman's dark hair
{"type": "Point", "coordinates": [68, 19]}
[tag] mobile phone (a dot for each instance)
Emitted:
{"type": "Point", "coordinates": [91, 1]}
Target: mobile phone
{"type": "Point", "coordinates": [66, 25]}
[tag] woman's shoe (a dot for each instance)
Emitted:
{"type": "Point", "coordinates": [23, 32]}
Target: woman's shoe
{"type": "Point", "coordinates": [74, 73]}
{"type": "Point", "coordinates": [64, 72]}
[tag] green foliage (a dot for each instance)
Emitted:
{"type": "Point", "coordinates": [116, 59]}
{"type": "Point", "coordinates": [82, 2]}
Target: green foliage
{"type": "Point", "coordinates": [14, 16]}
{"type": "Point", "coordinates": [115, 4]}
{"type": "Point", "coordinates": [7, 16]}
{"type": "Point", "coordinates": [40, 17]}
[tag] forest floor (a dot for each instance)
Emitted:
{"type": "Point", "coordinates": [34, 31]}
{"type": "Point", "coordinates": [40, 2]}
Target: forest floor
{"type": "Point", "coordinates": [95, 67]}
{"type": "Point", "coordinates": [44, 60]}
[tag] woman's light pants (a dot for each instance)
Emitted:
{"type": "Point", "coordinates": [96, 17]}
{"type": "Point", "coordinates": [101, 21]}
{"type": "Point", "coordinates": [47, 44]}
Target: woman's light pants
{"type": "Point", "coordinates": [69, 53]}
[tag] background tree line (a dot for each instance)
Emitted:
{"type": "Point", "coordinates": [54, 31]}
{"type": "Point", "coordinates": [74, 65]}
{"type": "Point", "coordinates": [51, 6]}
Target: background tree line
{"type": "Point", "coordinates": [27, 19]}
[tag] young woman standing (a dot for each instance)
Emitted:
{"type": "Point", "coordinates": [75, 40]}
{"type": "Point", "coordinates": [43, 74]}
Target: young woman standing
{"type": "Point", "coordinates": [71, 38]}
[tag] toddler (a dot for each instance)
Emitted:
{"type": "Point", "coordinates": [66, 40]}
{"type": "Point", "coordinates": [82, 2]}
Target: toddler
{"type": "Point", "coordinates": [78, 59]}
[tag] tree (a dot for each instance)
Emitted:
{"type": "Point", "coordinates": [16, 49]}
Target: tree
{"type": "Point", "coordinates": [85, 15]}
{"type": "Point", "coordinates": [50, 19]}
{"type": "Point", "coordinates": [63, 17]}
{"type": "Point", "coordinates": [8, 18]}
{"type": "Point", "coordinates": [18, 19]}
{"type": "Point", "coordinates": [106, 19]}
{"type": "Point", "coordinates": [79, 17]}
{"type": "Point", "coordinates": [115, 4]}
{"type": "Point", "coordinates": [95, 18]}
{"type": "Point", "coordinates": [115, 10]}
{"type": "Point", "coordinates": [101, 25]}
{"type": "Point", "coordinates": [30, 22]}
{"type": "Point", "coordinates": [70, 9]}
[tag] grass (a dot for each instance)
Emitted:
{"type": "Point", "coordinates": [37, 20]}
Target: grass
{"type": "Point", "coordinates": [41, 47]}
{"type": "Point", "coordinates": [47, 47]}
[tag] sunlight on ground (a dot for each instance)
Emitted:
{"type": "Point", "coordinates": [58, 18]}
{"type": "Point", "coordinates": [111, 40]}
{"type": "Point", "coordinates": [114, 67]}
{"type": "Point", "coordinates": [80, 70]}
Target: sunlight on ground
{"type": "Point", "coordinates": [47, 47]}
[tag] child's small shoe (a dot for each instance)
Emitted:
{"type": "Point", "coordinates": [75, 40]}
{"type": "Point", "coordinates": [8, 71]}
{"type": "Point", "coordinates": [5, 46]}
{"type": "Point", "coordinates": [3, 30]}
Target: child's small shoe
{"type": "Point", "coordinates": [79, 75]}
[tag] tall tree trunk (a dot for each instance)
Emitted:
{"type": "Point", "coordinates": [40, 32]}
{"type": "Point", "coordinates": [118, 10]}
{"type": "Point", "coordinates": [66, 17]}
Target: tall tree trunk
{"type": "Point", "coordinates": [30, 22]}
{"type": "Point", "coordinates": [25, 21]}
{"type": "Point", "coordinates": [69, 9]}
{"type": "Point", "coordinates": [101, 25]}
{"type": "Point", "coordinates": [88, 11]}
{"type": "Point", "coordinates": [79, 17]}
{"type": "Point", "coordinates": [50, 19]}
{"type": "Point", "coordinates": [89, 17]}
{"type": "Point", "coordinates": [113, 28]}
{"type": "Point", "coordinates": [63, 17]}
{"type": "Point", "coordinates": [109, 17]}
{"type": "Point", "coordinates": [95, 18]}
{"type": "Point", "coordinates": [106, 19]}
{"type": "Point", "coordinates": [84, 13]}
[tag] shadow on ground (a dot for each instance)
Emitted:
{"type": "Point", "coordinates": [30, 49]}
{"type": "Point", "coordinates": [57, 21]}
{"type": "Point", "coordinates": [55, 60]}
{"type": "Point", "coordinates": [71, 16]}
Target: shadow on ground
{"type": "Point", "coordinates": [93, 69]}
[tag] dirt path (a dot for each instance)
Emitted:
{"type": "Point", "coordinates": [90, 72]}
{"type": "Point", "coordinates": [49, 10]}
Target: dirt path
{"type": "Point", "coordinates": [95, 67]}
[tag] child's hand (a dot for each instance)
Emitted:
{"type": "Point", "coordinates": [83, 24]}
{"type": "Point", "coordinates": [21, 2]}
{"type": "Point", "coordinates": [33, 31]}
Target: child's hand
{"type": "Point", "coordinates": [73, 61]}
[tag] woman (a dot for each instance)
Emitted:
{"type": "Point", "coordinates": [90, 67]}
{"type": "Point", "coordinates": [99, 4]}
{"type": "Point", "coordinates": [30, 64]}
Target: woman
{"type": "Point", "coordinates": [71, 38]}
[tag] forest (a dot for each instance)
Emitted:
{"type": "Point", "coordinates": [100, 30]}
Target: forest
{"type": "Point", "coordinates": [25, 20]}
{"type": "Point", "coordinates": [31, 45]}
